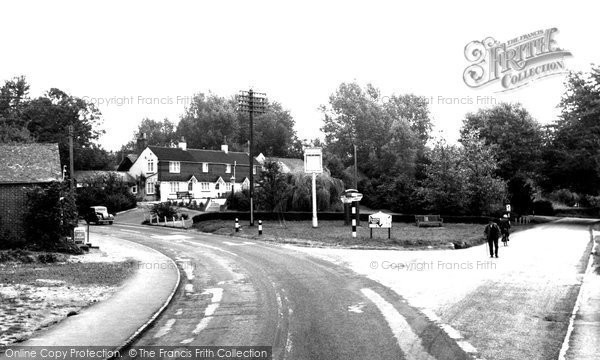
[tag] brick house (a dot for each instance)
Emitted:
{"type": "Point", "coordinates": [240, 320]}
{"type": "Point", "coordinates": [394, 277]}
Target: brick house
{"type": "Point", "coordinates": [23, 167]}
{"type": "Point", "coordinates": [169, 173]}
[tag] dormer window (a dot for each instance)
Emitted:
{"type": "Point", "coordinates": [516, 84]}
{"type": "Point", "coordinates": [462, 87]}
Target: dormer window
{"type": "Point", "coordinates": [204, 167]}
{"type": "Point", "coordinates": [174, 167]}
{"type": "Point", "coordinates": [228, 169]}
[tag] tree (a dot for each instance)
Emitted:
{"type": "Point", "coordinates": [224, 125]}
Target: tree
{"type": "Point", "coordinates": [389, 136]}
{"type": "Point", "coordinates": [93, 157]}
{"type": "Point", "coordinates": [445, 187]}
{"type": "Point", "coordinates": [107, 190]}
{"type": "Point", "coordinates": [13, 98]}
{"type": "Point", "coordinates": [572, 159]}
{"type": "Point", "coordinates": [158, 133]}
{"type": "Point", "coordinates": [486, 193]}
{"type": "Point", "coordinates": [274, 189]}
{"type": "Point", "coordinates": [47, 119]}
{"type": "Point", "coordinates": [517, 139]}
{"type": "Point", "coordinates": [211, 121]}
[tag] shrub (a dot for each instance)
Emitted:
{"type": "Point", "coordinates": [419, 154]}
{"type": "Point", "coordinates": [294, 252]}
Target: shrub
{"type": "Point", "coordinates": [106, 190]}
{"type": "Point", "coordinates": [564, 196]}
{"type": "Point", "coordinates": [238, 201]}
{"type": "Point", "coordinates": [52, 214]}
{"type": "Point", "coordinates": [163, 209]}
{"type": "Point", "coordinates": [543, 207]}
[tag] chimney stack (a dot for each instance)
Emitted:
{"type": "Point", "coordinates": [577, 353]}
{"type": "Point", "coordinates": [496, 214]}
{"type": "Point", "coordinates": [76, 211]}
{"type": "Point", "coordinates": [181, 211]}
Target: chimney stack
{"type": "Point", "coordinates": [142, 143]}
{"type": "Point", "coordinates": [225, 149]}
{"type": "Point", "coordinates": [182, 144]}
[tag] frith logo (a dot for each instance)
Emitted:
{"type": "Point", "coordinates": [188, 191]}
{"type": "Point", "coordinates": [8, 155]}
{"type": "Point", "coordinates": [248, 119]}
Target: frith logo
{"type": "Point", "coordinates": [514, 63]}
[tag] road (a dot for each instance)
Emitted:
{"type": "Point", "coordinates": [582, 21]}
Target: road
{"type": "Point", "coordinates": [313, 303]}
{"type": "Point", "coordinates": [237, 292]}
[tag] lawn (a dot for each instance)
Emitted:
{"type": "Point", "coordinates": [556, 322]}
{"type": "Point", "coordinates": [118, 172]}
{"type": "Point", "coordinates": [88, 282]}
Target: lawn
{"type": "Point", "coordinates": [334, 233]}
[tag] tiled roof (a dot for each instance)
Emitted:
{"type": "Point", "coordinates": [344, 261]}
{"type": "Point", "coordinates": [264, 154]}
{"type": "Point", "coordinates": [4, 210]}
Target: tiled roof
{"type": "Point", "coordinates": [199, 155]}
{"type": "Point", "coordinates": [171, 154]}
{"type": "Point", "coordinates": [29, 163]}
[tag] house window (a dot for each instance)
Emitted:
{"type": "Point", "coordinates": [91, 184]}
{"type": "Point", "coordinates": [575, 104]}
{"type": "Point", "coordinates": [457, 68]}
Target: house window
{"type": "Point", "coordinates": [190, 186]}
{"type": "Point", "coordinates": [174, 186]}
{"type": "Point", "coordinates": [134, 189]}
{"type": "Point", "coordinates": [254, 170]}
{"type": "Point", "coordinates": [150, 165]}
{"type": "Point", "coordinates": [205, 186]}
{"type": "Point", "coordinates": [228, 169]}
{"type": "Point", "coordinates": [228, 186]}
{"type": "Point", "coordinates": [149, 188]}
{"type": "Point", "coordinates": [204, 167]}
{"type": "Point", "coordinates": [174, 167]}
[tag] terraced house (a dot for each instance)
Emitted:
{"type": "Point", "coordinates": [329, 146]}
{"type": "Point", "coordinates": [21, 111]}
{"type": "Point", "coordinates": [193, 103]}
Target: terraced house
{"type": "Point", "coordinates": [169, 173]}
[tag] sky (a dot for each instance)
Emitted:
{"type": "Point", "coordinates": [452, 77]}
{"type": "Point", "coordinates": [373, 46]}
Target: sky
{"type": "Point", "coordinates": [138, 59]}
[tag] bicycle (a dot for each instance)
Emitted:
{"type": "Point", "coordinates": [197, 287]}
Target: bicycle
{"type": "Point", "coordinates": [505, 238]}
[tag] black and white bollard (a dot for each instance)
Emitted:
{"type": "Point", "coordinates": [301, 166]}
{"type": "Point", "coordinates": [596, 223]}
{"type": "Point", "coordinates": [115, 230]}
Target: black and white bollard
{"type": "Point", "coordinates": [259, 227]}
{"type": "Point", "coordinates": [353, 221]}
{"type": "Point", "coordinates": [237, 225]}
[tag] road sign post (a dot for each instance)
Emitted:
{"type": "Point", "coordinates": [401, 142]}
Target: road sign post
{"type": "Point", "coordinates": [313, 163]}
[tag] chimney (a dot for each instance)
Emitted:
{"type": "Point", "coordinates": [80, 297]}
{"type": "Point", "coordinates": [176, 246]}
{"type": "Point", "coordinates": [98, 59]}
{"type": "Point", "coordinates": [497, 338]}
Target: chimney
{"type": "Point", "coordinates": [225, 149]}
{"type": "Point", "coordinates": [142, 143]}
{"type": "Point", "coordinates": [182, 144]}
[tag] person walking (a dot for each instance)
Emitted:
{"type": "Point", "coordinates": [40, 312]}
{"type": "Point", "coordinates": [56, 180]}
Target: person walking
{"type": "Point", "coordinates": [504, 225]}
{"type": "Point", "coordinates": [492, 232]}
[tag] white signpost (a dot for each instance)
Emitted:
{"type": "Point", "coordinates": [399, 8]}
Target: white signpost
{"type": "Point", "coordinates": [380, 220]}
{"type": "Point", "coordinates": [313, 163]}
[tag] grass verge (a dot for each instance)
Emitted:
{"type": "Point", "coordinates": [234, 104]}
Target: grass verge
{"type": "Point", "coordinates": [39, 289]}
{"type": "Point", "coordinates": [334, 233]}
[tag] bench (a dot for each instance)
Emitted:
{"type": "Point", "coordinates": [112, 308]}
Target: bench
{"type": "Point", "coordinates": [428, 220]}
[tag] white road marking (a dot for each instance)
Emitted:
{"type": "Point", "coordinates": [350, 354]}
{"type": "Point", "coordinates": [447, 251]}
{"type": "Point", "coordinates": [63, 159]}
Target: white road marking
{"type": "Point", "coordinates": [179, 312]}
{"type": "Point", "coordinates": [217, 296]}
{"type": "Point", "coordinates": [189, 288]}
{"type": "Point", "coordinates": [165, 329]}
{"type": "Point", "coordinates": [210, 247]}
{"type": "Point", "coordinates": [188, 268]}
{"type": "Point", "coordinates": [356, 308]}
{"type": "Point", "coordinates": [170, 237]}
{"type": "Point", "coordinates": [130, 231]}
{"type": "Point", "coordinates": [238, 244]}
{"type": "Point", "coordinates": [409, 342]}
{"type": "Point", "coordinates": [451, 332]}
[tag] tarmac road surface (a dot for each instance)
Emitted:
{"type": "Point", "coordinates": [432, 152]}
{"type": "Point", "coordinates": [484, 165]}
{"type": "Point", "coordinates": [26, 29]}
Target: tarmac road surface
{"type": "Point", "coordinates": [243, 293]}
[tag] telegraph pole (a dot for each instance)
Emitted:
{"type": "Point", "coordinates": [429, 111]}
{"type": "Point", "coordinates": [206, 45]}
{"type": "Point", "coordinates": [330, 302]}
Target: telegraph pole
{"type": "Point", "coordinates": [251, 102]}
{"type": "Point", "coordinates": [71, 167]}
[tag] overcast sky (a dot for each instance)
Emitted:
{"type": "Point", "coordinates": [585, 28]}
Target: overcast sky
{"type": "Point", "coordinates": [154, 55]}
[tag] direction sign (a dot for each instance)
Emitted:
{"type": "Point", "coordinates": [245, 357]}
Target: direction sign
{"type": "Point", "coordinates": [313, 160]}
{"type": "Point", "coordinates": [79, 235]}
{"type": "Point", "coordinates": [380, 220]}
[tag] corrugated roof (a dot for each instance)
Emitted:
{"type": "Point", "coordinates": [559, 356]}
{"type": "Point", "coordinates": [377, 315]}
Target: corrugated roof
{"type": "Point", "coordinates": [29, 163]}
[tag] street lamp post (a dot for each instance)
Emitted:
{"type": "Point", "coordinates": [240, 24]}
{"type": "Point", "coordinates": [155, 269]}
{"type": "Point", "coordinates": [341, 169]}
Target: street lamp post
{"type": "Point", "coordinates": [251, 102]}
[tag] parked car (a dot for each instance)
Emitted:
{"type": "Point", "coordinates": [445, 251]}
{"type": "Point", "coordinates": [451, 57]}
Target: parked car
{"type": "Point", "coordinates": [99, 215]}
